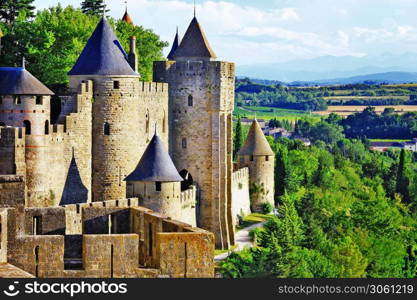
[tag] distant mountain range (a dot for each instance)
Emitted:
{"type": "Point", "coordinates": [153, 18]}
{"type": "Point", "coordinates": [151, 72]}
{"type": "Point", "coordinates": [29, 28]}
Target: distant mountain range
{"type": "Point", "coordinates": [390, 68]}
{"type": "Point", "coordinates": [379, 78]}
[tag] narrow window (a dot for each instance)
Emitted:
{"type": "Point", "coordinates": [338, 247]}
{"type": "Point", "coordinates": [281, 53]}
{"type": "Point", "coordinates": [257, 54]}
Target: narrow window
{"type": "Point", "coordinates": [106, 128]}
{"type": "Point", "coordinates": [164, 123]}
{"type": "Point", "coordinates": [266, 158]}
{"type": "Point", "coordinates": [147, 123]}
{"type": "Point", "coordinates": [36, 225]}
{"type": "Point", "coordinates": [112, 261]}
{"type": "Point", "coordinates": [39, 100]}
{"type": "Point", "coordinates": [158, 186]}
{"type": "Point", "coordinates": [17, 100]}
{"type": "Point", "coordinates": [150, 239]}
{"type": "Point", "coordinates": [116, 85]}
{"type": "Point", "coordinates": [36, 261]}
{"type": "Point", "coordinates": [190, 101]}
{"type": "Point", "coordinates": [1, 234]}
{"type": "Point", "coordinates": [251, 158]}
{"type": "Point", "coordinates": [28, 127]}
{"type": "Point", "coordinates": [1, 100]}
{"type": "Point", "coordinates": [184, 143]}
{"type": "Point", "coordinates": [47, 127]}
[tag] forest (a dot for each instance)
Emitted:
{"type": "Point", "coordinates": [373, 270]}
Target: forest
{"type": "Point", "coordinates": [344, 212]}
{"type": "Point", "coordinates": [252, 92]}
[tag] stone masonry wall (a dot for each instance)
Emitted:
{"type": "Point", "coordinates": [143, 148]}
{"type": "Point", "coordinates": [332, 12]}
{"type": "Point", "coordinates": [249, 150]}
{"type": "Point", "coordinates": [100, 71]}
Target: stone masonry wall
{"type": "Point", "coordinates": [12, 151]}
{"type": "Point", "coordinates": [201, 102]}
{"type": "Point", "coordinates": [12, 191]}
{"type": "Point", "coordinates": [152, 241]}
{"type": "Point", "coordinates": [188, 200]}
{"type": "Point", "coordinates": [240, 195]}
{"type": "Point", "coordinates": [125, 111]}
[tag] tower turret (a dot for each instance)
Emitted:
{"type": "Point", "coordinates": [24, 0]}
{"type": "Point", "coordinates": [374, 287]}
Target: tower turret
{"type": "Point", "coordinates": [156, 181]}
{"type": "Point", "coordinates": [25, 102]}
{"type": "Point", "coordinates": [133, 57]}
{"type": "Point", "coordinates": [117, 142]}
{"type": "Point", "coordinates": [126, 17]}
{"type": "Point", "coordinates": [258, 156]}
{"type": "Point", "coordinates": [194, 45]}
{"type": "Point", "coordinates": [201, 101]}
{"type": "Point", "coordinates": [175, 45]}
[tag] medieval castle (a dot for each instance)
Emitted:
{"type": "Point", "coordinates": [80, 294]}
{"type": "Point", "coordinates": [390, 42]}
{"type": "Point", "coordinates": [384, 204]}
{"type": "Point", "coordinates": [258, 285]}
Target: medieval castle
{"type": "Point", "coordinates": [118, 186]}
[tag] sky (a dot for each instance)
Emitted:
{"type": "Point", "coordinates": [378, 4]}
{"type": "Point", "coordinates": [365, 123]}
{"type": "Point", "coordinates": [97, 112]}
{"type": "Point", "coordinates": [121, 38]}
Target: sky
{"type": "Point", "coordinates": [262, 31]}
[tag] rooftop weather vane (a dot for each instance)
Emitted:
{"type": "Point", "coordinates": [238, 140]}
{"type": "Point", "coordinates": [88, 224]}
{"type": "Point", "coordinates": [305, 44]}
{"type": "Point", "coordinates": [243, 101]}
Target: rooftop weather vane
{"type": "Point", "coordinates": [194, 9]}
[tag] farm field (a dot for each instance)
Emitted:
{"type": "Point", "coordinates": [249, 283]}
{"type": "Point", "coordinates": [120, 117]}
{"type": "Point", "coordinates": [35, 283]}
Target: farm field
{"type": "Point", "coordinates": [349, 110]}
{"type": "Point", "coordinates": [268, 113]}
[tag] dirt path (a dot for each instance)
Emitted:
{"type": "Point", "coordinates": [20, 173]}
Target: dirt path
{"type": "Point", "coordinates": [243, 240]}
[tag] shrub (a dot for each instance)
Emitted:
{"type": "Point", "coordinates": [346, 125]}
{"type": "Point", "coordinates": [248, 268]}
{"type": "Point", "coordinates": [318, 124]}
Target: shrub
{"type": "Point", "coordinates": [267, 208]}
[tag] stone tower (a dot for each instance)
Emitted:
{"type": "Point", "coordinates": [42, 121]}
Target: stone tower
{"type": "Point", "coordinates": [116, 139]}
{"type": "Point", "coordinates": [25, 102]}
{"type": "Point", "coordinates": [156, 182]}
{"type": "Point", "coordinates": [201, 102]}
{"type": "Point", "coordinates": [258, 156]}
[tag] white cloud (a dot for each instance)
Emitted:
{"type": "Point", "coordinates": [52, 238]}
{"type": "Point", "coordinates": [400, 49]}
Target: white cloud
{"type": "Point", "coordinates": [268, 31]}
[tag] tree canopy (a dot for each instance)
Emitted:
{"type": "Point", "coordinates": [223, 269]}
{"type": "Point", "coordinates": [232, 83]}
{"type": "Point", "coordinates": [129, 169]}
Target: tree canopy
{"type": "Point", "coordinates": [10, 9]}
{"type": "Point", "coordinates": [93, 7]}
{"type": "Point", "coordinates": [53, 40]}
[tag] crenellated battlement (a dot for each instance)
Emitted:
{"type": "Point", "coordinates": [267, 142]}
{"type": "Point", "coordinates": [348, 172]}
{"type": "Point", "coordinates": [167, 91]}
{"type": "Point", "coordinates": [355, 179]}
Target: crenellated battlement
{"type": "Point", "coordinates": [39, 243]}
{"type": "Point", "coordinates": [241, 174]}
{"type": "Point", "coordinates": [153, 88]}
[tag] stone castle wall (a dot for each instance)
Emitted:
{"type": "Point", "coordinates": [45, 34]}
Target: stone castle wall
{"type": "Point", "coordinates": [241, 206]}
{"type": "Point", "coordinates": [12, 191]}
{"type": "Point", "coordinates": [12, 151]}
{"type": "Point", "coordinates": [125, 113]}
{"type": "Point", "coordinates": [142, 244]}
{"type": "Point", "coordinates": [188, 200]}
{"type": "Point", "coordinates": [201, 102]}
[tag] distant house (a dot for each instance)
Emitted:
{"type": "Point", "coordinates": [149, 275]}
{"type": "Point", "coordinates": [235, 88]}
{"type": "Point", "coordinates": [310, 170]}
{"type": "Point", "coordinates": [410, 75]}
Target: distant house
{"type": "Point", "coordinates": [385, 146]}
{"type": "Point", "coordinates": [277, 132]}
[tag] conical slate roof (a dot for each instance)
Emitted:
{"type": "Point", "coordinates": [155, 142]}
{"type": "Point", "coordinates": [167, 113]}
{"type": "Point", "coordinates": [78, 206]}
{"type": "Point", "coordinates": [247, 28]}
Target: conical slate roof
{"type": "Point", "coordinates": [194, 43]}
{"type": "Point", "coordinates": [174, 47]}
{"type": "Point", "coordinates": [18, 81]}
{"type": "Point", "coordinates": [156, 165]}
{"type": "Point", "coordinates": [256, 143]}
{"type": "Point", "coordinates": [103, 54]}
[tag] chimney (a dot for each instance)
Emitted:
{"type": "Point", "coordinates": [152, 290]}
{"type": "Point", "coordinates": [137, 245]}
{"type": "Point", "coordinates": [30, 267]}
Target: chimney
{"type": "Point", "coordinates": [133, 57]}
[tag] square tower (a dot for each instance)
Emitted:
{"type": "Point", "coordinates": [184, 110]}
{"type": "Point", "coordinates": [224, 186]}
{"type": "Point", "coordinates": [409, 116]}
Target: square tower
{"type": "Point", "coordinates": [201, 103]}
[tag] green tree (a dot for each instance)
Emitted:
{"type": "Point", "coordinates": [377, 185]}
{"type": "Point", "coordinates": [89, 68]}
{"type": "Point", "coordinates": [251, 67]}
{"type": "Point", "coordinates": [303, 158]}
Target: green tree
{"type": "Point", "coordinates": [403, 182]}
{"type": "Point", "coordinates": [237, 142]}
{"type": "Point", "coordinates": [93, 7]}
{"type": "Point", "coordinates": [10, 9]}
{"type": "Point", "coordinates": [149, 46]}
{"type": "Point", "coordinates": [53, 41]}
{"type": "Point", "coordinates": [281, 161]}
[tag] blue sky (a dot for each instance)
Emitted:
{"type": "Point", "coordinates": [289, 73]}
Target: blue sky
{"type": "Point", "coordinates": [262, 31]}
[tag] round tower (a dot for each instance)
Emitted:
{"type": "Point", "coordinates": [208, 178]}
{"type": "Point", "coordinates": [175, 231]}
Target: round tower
{"type": "Point", "coordinates": [156, 181]}
{"type": "Point", "coordinates": [116, 137]}
{"type": "Point", "coordinates": [258, 156]}
{"type": "Point", "coordinates": [25, 102]}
